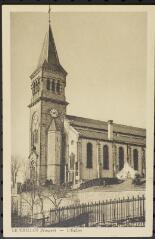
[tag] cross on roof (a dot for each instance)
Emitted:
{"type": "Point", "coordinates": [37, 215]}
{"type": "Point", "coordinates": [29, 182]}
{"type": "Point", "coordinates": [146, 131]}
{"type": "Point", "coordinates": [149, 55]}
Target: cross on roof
{"type": "Point", "coordinates": [49, 14]}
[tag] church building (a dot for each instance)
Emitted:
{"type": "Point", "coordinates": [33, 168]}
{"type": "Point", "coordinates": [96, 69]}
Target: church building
{"type": "Point", "coordinates": [71, 149]}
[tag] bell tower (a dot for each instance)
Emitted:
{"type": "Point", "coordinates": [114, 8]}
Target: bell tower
{"type": "Point", "coordinates": [47, 111]}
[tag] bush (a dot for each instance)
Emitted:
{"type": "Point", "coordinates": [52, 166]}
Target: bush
{"type": "Point", "coordinates": [27, 186]}
{"type": "Point", "coordinates": [67, 185]}
{"type": "Point", "coordinates": [48, 182]}
{"type": "Point", "coordinates": [138, 180]}
{"type": "Point", "coordinates": [99, 182]}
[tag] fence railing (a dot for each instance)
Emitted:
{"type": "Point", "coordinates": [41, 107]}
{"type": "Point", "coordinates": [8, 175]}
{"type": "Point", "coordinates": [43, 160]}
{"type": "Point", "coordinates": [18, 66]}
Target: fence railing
{"type": "Point", "coordinates": [125, 212]}
{"type": "Point", "coordinates": [120, 212]}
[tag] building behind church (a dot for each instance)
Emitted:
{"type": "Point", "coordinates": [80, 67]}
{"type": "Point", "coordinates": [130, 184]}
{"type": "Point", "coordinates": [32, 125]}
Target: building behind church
{"type": "Point", "coordinates": [66, 148]}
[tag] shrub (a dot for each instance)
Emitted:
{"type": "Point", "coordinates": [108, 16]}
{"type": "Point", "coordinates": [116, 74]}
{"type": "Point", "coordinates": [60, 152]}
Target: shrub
{"type": "Point", "coordinates": [48, 182]}
{"type": "Point", "coordinates": [99, 182]}
{"type": "Point", "coordinates": [138, 179]}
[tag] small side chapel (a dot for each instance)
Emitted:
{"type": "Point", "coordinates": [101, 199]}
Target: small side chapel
{"type": "Point", "coordinates": [66, 148]}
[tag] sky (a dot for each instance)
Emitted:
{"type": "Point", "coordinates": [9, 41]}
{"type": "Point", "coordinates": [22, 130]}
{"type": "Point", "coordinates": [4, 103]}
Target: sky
{"type": "Point", "coordinates": [104, 55]}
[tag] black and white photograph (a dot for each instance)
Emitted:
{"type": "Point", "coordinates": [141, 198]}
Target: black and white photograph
{"type": "Point", "coordinates": [79, 156]}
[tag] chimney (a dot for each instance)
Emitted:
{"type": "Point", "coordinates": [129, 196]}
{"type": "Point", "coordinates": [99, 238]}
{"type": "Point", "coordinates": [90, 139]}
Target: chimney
{"type": "Point", "coordinates": [110, 129]}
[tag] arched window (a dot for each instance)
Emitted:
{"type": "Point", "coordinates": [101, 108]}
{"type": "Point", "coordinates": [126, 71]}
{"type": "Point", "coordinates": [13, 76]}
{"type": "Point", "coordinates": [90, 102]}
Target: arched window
{"type": "Point", "coordinates": [61, 89]}
{"type": "Point", "coordinates": [105, 157]}
{"type": "Point", "coordinates": [36, 136]}
{"type": "Point", "coordinates": [135, 159]}
{"type": "Point", "coordinates": [38, 86]}
{"type": "Point", "coordinates": [33, 90]}
{"type": "Point", "coordinates": [89, 155]}
{"type": "Point", "coordinates": [121, 158]}
{"type": "Point", "coordinates": [72, 161]}
{"type": "Point", "coordinates": [48, 84]}
{"type": "Point", "coordinates": [58, 87]}
{"type": "Point", "coordinates": [32, 140]}
{"type": "Point", "coordinates": [53, 85]}
{"type": "Point", "coordinates": [143, 164]}
{"type": "Point", "coordinates": [34, 87]}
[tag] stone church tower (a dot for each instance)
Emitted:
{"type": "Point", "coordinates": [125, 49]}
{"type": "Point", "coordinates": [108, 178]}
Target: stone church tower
{"type": "Point", "coordinates": [47, 112]}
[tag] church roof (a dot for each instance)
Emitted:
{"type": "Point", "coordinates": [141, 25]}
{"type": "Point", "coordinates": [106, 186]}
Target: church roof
{"type": "Point", "coordinates": [85, 122]}
{"type": "Point", "coordinates": [96, 129]}
{"type": "Point", "coordinates": [49, 56]}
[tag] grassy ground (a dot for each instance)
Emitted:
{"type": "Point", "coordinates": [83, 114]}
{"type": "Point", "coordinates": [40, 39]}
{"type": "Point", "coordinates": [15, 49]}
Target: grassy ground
{"type": "Point", "coordinates": [98, 193]}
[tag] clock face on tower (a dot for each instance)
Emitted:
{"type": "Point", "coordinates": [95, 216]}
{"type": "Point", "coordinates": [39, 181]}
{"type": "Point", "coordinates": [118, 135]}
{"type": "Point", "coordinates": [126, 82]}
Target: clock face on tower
{"type": "Point", "coordinates": [54, 113]}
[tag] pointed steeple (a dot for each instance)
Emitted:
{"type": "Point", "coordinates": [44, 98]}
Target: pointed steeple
{"type": "Point", "coordinates": [49, 56]}
{"type": "Point", "coordinates": [49, 53]}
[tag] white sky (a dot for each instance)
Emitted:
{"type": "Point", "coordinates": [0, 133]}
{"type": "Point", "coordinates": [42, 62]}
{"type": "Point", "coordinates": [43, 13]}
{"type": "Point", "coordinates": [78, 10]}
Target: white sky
{"type": "Point", "coordinates": [104, 55]}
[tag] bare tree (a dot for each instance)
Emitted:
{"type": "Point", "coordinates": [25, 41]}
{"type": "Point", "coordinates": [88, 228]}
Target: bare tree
{"type": "Point", "coordinates": [31, 198]}
{"type": "Point", "coordinates": [15, 168]}
{"type": "Point", "coordinates": [55, 194]}
{"type": "Point", "coordinates": [25, 170]}
{"type": "Point", "coordinates": [38, 196]}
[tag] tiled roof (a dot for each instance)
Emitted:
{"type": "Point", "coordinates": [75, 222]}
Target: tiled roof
{"type": "Point", "coordinates": [92, 134]}
{"type": "Point", "coordinates": [96, 129]}
{"type": "Point", "coordinates": [88, 123]}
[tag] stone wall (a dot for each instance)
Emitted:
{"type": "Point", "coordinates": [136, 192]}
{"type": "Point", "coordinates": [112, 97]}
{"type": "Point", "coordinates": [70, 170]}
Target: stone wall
{"type": "Point", "coordinates": [97, 170]}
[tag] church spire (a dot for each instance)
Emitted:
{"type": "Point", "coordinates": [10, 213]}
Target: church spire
{"type": "Point", "coordinates": [49, 57]}
{"type": "Point", "coordinates": [49, 14]}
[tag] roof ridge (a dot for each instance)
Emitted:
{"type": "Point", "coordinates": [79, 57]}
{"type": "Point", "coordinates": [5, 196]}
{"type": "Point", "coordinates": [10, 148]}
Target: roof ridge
{"type": "Point", "coordinates": [106, 122]}
{"type": "Point", "coordinates": [86, 118]}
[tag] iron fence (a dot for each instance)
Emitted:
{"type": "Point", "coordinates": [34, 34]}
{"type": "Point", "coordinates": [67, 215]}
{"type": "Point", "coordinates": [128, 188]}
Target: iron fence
{"type": "Point", "coordinates": [120, 212]}
{"type": "Point", "coordinates": [125, 212]}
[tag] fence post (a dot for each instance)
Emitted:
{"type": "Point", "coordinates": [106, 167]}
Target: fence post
{"type": "Point", "coordinates": [143, 206]}
{"type": "Point", "coordinates": [114, 208]}
{"type": "Point", "coordinates": [50, 217]}
{"type": "Point", "coordinates": [99, 211]}
{"type": "Point", "coordinates": [59, 215]}
{"type": "Point", "coordinates": [120, 212]}
{"type": "Point", "coordinates": [133, 206]}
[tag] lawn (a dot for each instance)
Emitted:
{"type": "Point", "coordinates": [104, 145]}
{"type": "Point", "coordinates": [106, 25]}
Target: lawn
{"type": "Point", "coordinates": [95, 194]}
{"type": "Point", "coordinates": [100, 193]}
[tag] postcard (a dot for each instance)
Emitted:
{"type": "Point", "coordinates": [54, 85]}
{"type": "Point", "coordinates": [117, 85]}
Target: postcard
{"type": "Point", "coordinates": [78, 120]}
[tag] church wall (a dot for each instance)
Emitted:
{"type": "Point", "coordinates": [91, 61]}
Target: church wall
{"type": "Point", "coordinates": [124, 146]}
{"type": "Point", "coordinates": [36, 79]}
{"type": "Point", "coordinates": [51, 154]}
{"type": "Point", "coordinates": [139, 157]}
{"type": "Point", "coordinates": [53, 157]}
{"type": "Point", "coordinates": [87, 173]}
{"type": "Point", "coordinates": [72, 141]}
{"type": "Point", "coordinates": [106, 172]}
{"type": "Point", "coordinates": [128, 155]}
{"type": "Point", "coordinates": [46, 120]}
{"type": "Point", "coordinates": [57, 77]}
{"type": "Point", "coordinates": [35, 108]}
{"type": "Point", "coordinates": [71, 151]}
